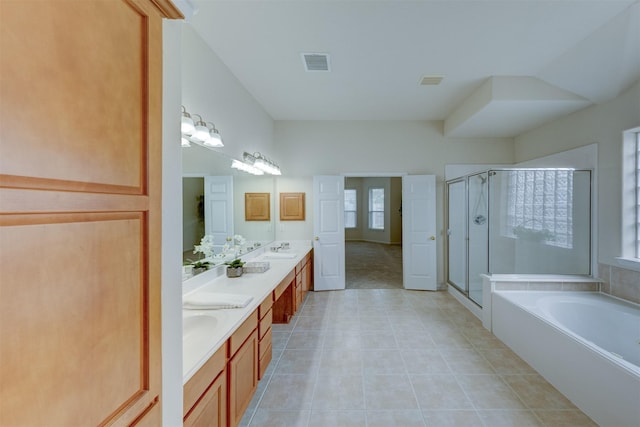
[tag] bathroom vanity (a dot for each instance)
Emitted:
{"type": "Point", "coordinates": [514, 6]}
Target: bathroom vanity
{"type": "Point", "coordinates": [232, 347]}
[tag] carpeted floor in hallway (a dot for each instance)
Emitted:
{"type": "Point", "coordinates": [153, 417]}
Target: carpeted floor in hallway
{"type": "Point", "coordinates": [373, 265]}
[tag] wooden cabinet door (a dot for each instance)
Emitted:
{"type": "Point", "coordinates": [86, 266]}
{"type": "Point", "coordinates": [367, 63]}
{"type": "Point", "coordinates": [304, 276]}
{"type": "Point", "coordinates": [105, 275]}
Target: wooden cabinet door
{"type": "Point", "coordinates": [80, 187]}
{"type": "Point", "coordinates": [243, 378]}
{"type": "Point", "coordinates": [211, 410]}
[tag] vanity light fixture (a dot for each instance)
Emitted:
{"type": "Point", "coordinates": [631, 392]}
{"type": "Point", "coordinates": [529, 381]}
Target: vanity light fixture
{"type": "Point", "coordinates": [245, 167]}
{"type": "Point", "coordinates": [186, 123]}
{"type": "Point", "coordinates": [263, 163]}
{"type": "Point", "coordinates": [215, 140]}
{"type": "Point", "coordinates": [201, 132]}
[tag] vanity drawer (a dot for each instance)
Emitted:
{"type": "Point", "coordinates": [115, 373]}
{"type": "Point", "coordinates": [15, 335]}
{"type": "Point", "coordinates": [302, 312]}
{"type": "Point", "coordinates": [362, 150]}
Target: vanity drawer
{"type": "Point", "coordinates": [265, 306]}
{"type": "Point", "coordinates": [264, 343]}
{"type": "Point", "coordinates": [196, 386]}
{"type": "Point", "coordinates": [265, 324]}
{"type": "Point", "coordinates": [264, 361]}
{"type": "Point", "coordinates": [242, 333]}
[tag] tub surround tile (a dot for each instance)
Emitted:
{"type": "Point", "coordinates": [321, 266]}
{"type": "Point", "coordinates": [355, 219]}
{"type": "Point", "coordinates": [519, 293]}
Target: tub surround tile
{"type": "Point", "coordinates": [580, 287]}
{"type": "Point", "coordinates": [625, 284]}
{"type": "Point", "coordinates": [540, 286]}
{"type": "Point", "coordinates": [511, 286]}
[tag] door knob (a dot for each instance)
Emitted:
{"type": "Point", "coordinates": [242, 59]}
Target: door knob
{"type": "Point", "coordinates": [316, 238]}
{"type": "Point", "coordinates": [432, 238]}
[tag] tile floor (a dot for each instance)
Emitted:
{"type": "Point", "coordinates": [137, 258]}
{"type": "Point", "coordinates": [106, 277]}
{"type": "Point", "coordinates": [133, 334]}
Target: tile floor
{"type": "Point", "coordinates": [381, 357]}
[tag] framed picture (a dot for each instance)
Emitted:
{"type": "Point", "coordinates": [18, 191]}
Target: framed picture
{"type": "Point", "coordinates": [257, 207]}
{"type": "Point", "coordinates": [291, 206]}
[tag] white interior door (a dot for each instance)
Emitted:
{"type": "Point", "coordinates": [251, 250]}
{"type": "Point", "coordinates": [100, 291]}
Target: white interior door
{"type": "Point", "coordinates": [419, 232]}
{"type": "Point", "coordinates": [218, 208]}
{"type": "Point", "coordinates": [328, 229]}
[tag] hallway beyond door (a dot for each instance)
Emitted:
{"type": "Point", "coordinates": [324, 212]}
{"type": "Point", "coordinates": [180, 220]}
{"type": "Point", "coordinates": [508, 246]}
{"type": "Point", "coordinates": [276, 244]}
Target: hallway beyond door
{"type": "Point", "coordinates": [373, 265]}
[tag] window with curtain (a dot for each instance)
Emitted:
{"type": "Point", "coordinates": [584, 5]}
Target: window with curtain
{"type": "Point", "coordinates": [350, 208]}
{"type": "Point", "coordinates": [376, 208]}
{"type": "Point", "coordinates": [540, 206]}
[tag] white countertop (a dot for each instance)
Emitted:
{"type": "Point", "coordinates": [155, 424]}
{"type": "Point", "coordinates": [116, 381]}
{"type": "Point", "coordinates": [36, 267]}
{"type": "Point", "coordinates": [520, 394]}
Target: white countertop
{"type": "Point", "coordinates": [259, 285]}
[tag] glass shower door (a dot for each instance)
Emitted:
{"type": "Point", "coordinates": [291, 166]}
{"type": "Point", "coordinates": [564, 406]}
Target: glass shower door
{"type": "Point", "coordinates": [478, 232]}
{"type": "Point", "coordinates": [457, 234]}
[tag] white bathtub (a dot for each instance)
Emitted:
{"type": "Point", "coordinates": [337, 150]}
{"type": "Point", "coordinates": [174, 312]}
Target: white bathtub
{"type": "Point", "coordinates": [586, 344]}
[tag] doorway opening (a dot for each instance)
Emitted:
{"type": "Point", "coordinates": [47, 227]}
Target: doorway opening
{"type": "Point", "coordinates": [373, 232]}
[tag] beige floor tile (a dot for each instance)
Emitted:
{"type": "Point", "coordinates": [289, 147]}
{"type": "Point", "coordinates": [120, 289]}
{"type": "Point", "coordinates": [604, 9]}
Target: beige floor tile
{"type": "Point", "coordinates": [374, 323]}
{"type": "Point", "coordinates": [311, 323]}
{"type": "Point", "coordinates": [342, 339]}
{"type": "Point", "coordinates": [382, 362]}
{"type": "Point", "coordinates": [414, 340]}
{"type": "Point", "coordinates": [321, 418]}
{"type": "Point", "coordinates": [452, 418]}
{"type": "Point", "coordinates": [424, 362]}
{"type": "Point", "coordinates": [288, 392]}
{"type": "Point", "coordinates": [306, 362]}
{"type": "Point", "coordinates": [377, 340]}
{"type": "Point", "coordinates": [341, 362]}
{"type": "Point", "coordinates": [305, 340]}
{"type": "Point", "coordinates": [537, 393]}
{"type": "Point", "coordinates": [489, 392]}
{"type": "Point", "coordinates": [468, 361]}
{"type": "Point", "coordinates": [336, 392]}
{"type": "Point", "coordinates": [407, 418]}
{"type": "Point", "coordinates": [509, 418]}
{"type": "Point", "coordinates": [565, 418]}
{"type": "Point", "coordinates": [449, 338]}
{"type": "Point", "coordinates": [505, 361]}
{"type": "Point", "coordinates": [272, 418]}
{"type": "Point", "coordinates": [440, 391]}
{"type": "Point", "coordinates": [388, 392]}
{"type": "Point", "coordinates": [279, 338]}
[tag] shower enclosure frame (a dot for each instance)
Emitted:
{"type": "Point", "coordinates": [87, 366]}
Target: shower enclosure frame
{"type": "Point", "coordinates": [490, 173]}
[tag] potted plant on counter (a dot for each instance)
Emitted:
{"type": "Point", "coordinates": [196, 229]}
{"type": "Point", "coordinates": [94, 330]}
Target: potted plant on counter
{"type": "Point", "coordinates": [200, 266]}
{"type": "Point", "coordinates": [234, 268]}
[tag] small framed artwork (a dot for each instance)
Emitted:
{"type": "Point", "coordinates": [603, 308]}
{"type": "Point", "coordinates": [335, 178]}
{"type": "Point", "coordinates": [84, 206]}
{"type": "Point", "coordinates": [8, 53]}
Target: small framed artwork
{"type": "Point", "coordinates": [257, 207]}
{"type": "Point", "coordinates": [291, 206]}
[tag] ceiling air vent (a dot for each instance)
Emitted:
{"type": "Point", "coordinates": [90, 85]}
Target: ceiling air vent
{"type": "Point", "coordinates": [316, 62]}
{"type": "Point", "coordinates": [431, 80]}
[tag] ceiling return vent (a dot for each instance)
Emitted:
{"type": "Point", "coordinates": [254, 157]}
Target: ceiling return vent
{"type": "Point", "coordinates": [314, 62]}
{"type": "Point", "coordinates": [430, 80]}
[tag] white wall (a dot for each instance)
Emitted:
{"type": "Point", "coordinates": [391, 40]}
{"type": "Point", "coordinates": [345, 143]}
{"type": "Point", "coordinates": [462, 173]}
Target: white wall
{"type": "Point", "coordinates": [307, 148]}
{"type": "Point", "coordinates": [601, 124]}
{"type": "Point", "coordinates": [171, 228]}
{"type": "Point", "coordinates": [211, 90]}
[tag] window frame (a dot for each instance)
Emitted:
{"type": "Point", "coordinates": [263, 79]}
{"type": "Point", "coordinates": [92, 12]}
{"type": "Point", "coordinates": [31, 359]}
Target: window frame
{"type": "Point", "coordinates": [372, 212]}
{"type": "Point", "coordinates": [346, 211]}
{"type": "Point", "coordinates": [630, 210]}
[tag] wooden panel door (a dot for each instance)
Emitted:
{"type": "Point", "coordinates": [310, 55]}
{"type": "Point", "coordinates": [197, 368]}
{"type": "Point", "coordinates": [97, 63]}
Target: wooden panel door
{"type": "Point", "coordinates": [80, 185]}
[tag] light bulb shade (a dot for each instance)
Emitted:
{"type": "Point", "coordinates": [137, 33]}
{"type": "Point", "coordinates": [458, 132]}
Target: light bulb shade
{"type": "Point", "coordinates": [201, 132]}
{"type": "Point", "coordinates": [237, 164]}
{"type": "Point", "coordinates": [185, 142]}
{"type": "Point", "coordinates": [215, 140]}
{"type": "Point", "coordinates": [186, 124]}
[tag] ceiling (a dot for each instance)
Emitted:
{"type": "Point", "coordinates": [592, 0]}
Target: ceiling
{"type": "Point", "coordinates": [508, 66]}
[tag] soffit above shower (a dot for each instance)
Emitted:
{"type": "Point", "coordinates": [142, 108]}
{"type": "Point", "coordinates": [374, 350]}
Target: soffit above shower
{"type": "Point", "coordinates": [504, 107]}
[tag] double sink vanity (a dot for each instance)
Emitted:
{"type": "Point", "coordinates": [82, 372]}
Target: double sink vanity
{"type": "Point", "coordinates": [227, 351]}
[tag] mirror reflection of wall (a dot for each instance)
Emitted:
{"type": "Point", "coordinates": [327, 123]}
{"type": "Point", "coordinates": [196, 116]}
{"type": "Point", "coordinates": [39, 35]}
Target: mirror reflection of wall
{"type": "Point", "coordinates": [192, 216]}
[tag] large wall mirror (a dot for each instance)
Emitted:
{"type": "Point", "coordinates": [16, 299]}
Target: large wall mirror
{"type": "Point", "coordinates": [214, 205]}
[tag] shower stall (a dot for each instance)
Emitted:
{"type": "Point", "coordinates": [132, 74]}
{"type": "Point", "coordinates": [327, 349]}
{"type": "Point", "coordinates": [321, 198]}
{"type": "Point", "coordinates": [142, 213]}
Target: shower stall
{"type": "Point", "coordinates": [517, 221]}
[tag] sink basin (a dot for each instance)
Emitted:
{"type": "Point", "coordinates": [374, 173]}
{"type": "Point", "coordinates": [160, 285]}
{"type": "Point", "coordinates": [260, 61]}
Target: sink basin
{"type": "Point", "coordinates": [279, 255]}
{"type": "Point", "coordinates": [193, 323]}
{"type": "Point", "coordinates": [198, 335]}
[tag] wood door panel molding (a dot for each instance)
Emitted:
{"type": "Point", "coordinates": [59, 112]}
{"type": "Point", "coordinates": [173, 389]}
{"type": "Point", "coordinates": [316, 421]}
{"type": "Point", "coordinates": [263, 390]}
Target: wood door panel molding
{"type": "Point", "coordinates": [69, 295]}
{"type": "Point", "coordinates": [85, 112]}
{"type": "Point", "coordinates": [16, 201]}
{"type": "Point", "coordinates": [27, 182]}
